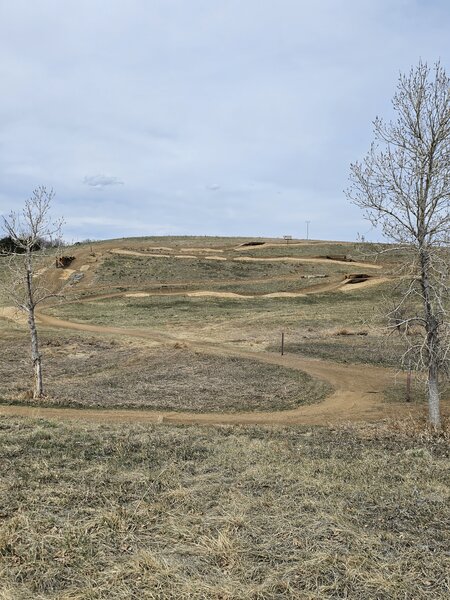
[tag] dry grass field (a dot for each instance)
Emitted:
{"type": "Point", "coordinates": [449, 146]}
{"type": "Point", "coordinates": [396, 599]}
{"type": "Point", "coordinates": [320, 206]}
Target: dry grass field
{"type": "Point", "coordinates": [94, 512]}
{"type": "Point", "coordinates": [327, 485]}
{"type": "Point", "coordinates": [82, 371]}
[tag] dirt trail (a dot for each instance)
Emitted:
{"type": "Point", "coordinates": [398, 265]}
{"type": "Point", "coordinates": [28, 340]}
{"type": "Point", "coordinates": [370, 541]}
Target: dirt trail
{"type": "Point", "coordinates": [307, 259]}
{"type": "Point", "coordinates": [314, 289]}
{"type": "Point", "coordinates": [319, 288]}
{"type": "Point", "coordinates": [357, 392]}
{"type": "Point", "coordinates": [245, 247]}
{"type": "Point", "coordinates": [294, 259]}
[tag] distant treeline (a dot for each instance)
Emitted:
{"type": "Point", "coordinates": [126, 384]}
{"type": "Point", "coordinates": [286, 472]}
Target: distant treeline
{"type": "Point", "coordinates": [10, 246]}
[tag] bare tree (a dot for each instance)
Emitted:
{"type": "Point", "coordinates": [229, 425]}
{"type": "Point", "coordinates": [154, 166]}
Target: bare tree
{"type": "Point", "coordinates": [403, 184]}
{"type": "Point", "coordinates": [33, 235]}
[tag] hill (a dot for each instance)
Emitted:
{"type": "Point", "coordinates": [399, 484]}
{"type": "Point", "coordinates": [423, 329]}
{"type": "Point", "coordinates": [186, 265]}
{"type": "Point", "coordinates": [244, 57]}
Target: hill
{"type": "Point", "coordinates": [213, 311]}
{"type": "Point", "coordinates": [313, 478]}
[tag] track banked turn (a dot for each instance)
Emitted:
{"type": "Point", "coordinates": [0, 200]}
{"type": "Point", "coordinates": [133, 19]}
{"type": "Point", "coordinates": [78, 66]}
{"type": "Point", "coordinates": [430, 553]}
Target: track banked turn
{"type": "Point", "coordinates": [357, 390]}
{"type": "Point", "coordinates": [357, 395]}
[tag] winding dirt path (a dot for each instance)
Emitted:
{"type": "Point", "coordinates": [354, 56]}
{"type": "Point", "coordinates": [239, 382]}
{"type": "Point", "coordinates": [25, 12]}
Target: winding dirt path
{"type": "Point", "coordinates": [358, 389]}
{"type": "Point", "coordinates": [274, 259]}
{"type": "Point", "coordinates": [181, 289]}
{"type": "Point", "coordinates": [357, 395]}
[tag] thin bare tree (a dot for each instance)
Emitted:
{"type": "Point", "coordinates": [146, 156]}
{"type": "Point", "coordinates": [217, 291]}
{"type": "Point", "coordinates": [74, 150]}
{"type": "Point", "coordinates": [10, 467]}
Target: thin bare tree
{"type": "Point", "coordinates": [34, 236]}
{"type": "Point", "coordinates": [403, 185]}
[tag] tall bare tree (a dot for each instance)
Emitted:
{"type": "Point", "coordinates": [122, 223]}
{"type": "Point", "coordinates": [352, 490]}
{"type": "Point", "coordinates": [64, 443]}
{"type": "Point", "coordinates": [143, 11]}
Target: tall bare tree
{"type": "Point", "coordinates": [32, 232]}
{"type": "Point", "coordinates": [403, 185]}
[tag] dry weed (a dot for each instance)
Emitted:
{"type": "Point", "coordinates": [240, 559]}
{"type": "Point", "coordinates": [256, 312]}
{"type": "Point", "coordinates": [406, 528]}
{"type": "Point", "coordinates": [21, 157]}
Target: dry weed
{"type": "Point", "coordinates": [103, 512]}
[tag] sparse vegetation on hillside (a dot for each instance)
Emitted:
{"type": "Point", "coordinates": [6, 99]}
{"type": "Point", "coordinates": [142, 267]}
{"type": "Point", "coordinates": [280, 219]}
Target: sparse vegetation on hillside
{"type": "Point", "coordinates": [310, 322]}
{"type": "Point", "coordinates": [111, 512]}
{"type": "Point", "coordinates": [129, 269]}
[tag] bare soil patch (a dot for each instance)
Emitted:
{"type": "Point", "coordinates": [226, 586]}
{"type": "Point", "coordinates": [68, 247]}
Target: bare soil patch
{"type": "Point", "coordinates": [304, 259]}
{"type": "Point", "coordinates": [13, 314]}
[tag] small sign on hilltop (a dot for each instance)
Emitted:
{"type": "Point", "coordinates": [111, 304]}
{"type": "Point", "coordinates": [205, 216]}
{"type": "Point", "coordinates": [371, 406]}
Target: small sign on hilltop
{"type": "Point", "coordinates": [288, 238]}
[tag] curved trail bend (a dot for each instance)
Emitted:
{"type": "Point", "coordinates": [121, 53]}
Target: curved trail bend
{"type": "Point", "coordinates": [357, 391]}
{"type": "Point", "coordinates": [274, 259]}
{"type": "Point", "coordinates": [356, 396]}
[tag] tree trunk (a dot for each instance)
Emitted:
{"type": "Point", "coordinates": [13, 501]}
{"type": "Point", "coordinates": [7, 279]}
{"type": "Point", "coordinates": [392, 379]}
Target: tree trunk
{"type": "Point", "coordinates": [431, 328]}
{"type": "Point", "coordinates": [38, 387]}
{"type": "Point", "coordinates": [433, 398]}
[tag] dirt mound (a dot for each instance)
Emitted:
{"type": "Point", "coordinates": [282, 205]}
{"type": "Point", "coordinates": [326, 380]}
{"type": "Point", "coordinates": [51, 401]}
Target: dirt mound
{"type": "Point", "coordinates": [135, 253]}
{"type": "Point", "coordinates": [200, 250]}
{"type": "Point", "coordinates": [137, 295]}
{"type": "Point", "coordinates": [357, 285]}
{"type": "Point", "coordinates": [201, 294]}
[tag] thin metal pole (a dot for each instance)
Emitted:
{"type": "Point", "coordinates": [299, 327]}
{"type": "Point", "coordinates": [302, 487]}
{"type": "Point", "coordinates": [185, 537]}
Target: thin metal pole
{"type": "Point", "coordinates": [282, 343]}
{"type": "Point", "coordinates": [307, 229]}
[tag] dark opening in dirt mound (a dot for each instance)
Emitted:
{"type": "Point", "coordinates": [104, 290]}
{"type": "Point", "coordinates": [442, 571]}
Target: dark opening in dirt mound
{"type": "Point", "coordinates": [252, 244]}
{"type": "Point", "coordinates": [357, 277]}
{"type": "Point", "coordinates": [340, 257]}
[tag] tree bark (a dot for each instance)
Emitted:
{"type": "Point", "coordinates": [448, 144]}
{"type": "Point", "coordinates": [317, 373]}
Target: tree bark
{"type": "Point", "coordinates": [433, 398]}
{"type": "Point", "coordinates": [38, 387]}
{"type": "Point", "coordinates": [431, 328]}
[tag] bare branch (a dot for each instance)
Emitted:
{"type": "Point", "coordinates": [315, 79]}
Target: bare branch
{"type": "Point", "coordinates": [403, 186]}
{"type": "Point", "coordinates": [34, 237]}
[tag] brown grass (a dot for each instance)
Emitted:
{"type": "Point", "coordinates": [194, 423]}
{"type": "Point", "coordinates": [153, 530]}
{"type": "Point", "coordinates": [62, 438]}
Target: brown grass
{"type": "Point", "coordinates": [101, 512]}
{"type": "Point", "coordinates": [84, 371]}
{"type": "Point", "coordinates": [108, 512]}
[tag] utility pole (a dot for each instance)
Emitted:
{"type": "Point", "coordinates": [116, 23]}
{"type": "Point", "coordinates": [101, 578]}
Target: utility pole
{"type": "Point", "coordinates": [307, 229]}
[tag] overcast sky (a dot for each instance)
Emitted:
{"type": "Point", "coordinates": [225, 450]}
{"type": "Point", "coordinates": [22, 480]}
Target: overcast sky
{"type": "Point", "coordinates": [209, 117]}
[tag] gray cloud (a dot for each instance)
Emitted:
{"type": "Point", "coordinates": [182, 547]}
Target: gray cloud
{"type": "Point", "coordinates": [273, 99]}
{"type": "Point", "coordinates": [101, 181]}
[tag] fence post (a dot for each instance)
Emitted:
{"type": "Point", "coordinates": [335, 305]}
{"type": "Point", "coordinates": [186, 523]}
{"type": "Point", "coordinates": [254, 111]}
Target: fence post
{"type": "Point", "coordinates": [282, 343]}
{"type": "Point", "coordinates": [408, 386]}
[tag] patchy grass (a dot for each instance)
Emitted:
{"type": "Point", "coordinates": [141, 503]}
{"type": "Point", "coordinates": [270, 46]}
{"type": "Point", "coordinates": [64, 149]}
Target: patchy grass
{"type": "Point", "coordinates": [252, 318]}
{"type": "Point", "coordinates": [127, 270]}
{"type": "Point", "coordinates": [185, 241]}
{"type": "Point", "coordinates": [92, 512]}
{"type": "Point", "coordinates": [418, 391]}
{"type": "Point", "coordinates": [112, 513]}
{"type": "Point", "coordinates": [351, 347]}
{"type": "Point", "coordinates": [83, 371]}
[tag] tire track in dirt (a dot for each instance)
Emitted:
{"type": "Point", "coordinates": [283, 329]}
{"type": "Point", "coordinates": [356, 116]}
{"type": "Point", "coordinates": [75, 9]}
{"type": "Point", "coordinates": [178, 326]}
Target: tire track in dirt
{"type": "Point", "coordinates": [357, 395]}
{"type": "Point", "coordinates": [292, 259]}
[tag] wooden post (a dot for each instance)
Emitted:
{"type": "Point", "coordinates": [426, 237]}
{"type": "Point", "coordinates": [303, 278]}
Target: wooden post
{"type": "Point", "coordinates": [408, 386]}
{"type": "Point", "coordinates": [282, 343]}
